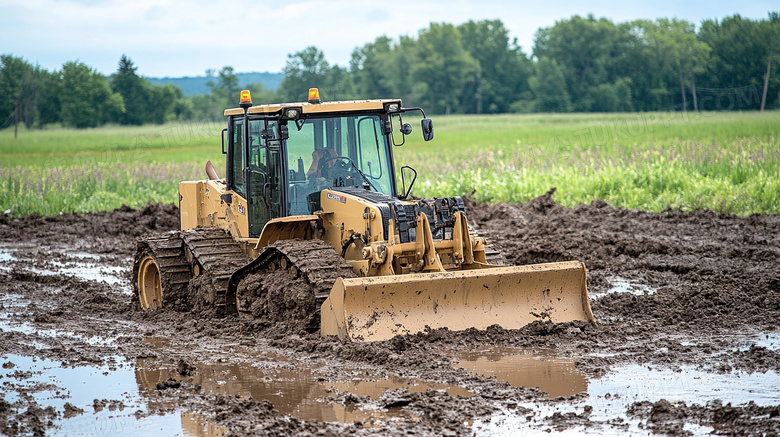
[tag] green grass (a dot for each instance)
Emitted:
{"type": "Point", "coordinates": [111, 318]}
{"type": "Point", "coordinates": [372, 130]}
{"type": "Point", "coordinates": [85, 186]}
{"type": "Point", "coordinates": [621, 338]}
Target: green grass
{"type": "Point", "coordinates": [57, 147]}
{"type": "Point", "coordinates": [68, 170]}
{"type": "Point", "coordinates": [726, 162]}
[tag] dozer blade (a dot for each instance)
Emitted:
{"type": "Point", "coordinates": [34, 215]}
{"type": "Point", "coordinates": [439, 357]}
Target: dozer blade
{"type": "Point", "coordinates": [379, 308]}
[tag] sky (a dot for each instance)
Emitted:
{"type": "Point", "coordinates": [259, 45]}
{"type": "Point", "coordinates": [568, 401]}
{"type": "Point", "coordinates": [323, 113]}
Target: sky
{"type": "Point", "coordinates": [177, 38]}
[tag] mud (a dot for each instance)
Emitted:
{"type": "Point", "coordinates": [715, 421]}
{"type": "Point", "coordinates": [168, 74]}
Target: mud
{"type": "Point", "coordinates": [666, 418]}
{"type": "Point", "coordinates": [281, 300]}
{"type": "Point", "coordinates": [689, 294]}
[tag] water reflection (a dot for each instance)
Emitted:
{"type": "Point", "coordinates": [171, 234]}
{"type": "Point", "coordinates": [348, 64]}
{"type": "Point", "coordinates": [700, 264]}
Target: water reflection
{"type": "Point", "coordinates": [292, 388]}
{"type": "Point", "coordinates": [195, 425]}
{"type": "Point", "coordinates": [543, 369]}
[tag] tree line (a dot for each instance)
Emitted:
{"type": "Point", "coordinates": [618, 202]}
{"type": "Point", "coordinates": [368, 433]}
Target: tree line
{"type": "Point", "coordinates": [79, 96]}
{"type": "Point", "coordinates": [580, 64]}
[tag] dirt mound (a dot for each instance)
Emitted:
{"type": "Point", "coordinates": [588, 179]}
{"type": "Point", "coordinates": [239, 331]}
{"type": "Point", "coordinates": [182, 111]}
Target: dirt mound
{"type": "Point", "coordinates": [663, 417]}
{"type": "Point", "coordinates": [117, 228]}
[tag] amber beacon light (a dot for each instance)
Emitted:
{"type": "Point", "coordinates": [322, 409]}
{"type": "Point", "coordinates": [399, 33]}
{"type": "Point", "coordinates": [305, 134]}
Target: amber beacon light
{"type": "Point", "coordinates": [245, 100]}
{"type": "Point", "coordinates": [314, 95]}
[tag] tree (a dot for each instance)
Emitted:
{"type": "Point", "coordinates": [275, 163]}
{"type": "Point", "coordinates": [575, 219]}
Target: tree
{"type": "Point", "coordinates": [399, 71]}
{"type": "Point", "coordinates": [582, 47]}
{"type": "Point", "coordinates": [49, 106]}
{"type": "Point", "coordinates": [261, 94]}
{"type": "Point", "coordinates": [612, 97]}
{"type": "Point", "coordinates": [549, 87]}
{"type": "Point", "coordinates": [503, 68]}
{"type": "Point", "coordinates": [17, 91]}
{"type": "Point", "coordinates": [305, 69]}
{"type": "Point", "coordinates": [772, 28]}
{"type": "Point", "coordinates": [135, 93]}
{"type": "Point", "coordinates": [679, 51]}
{"type": "Point", "coordinates": [340, 85]}
{"type": "Point", "coordinates": [162, 100]}
{"type": "Point", "coordinates": [443, 65]}
{"type": "Point", "coordinates": [635, 62]}
{"type": "Point", "coordinates": [739, 61]}
{"type": "Point", "coordinates": [370, 70]}
{"type": "Point", "coordinates": [225, 88]}
{"type": "Point", "coordinates": [309, 69]}
{"type": "Point", "coordinates": [224, 92]}
{"type": "Point", "coordinates": [86, 97]}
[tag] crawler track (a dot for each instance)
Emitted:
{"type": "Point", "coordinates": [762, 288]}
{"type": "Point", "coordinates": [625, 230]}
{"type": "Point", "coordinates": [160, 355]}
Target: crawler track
{"type": "Point", "coordinates": [205, 267]}
{"type": "Point", "coordinates": [175, 271]}
{"type": "Point", "coordinates": [289, 280]}
{"type": "Point", "coordinates": [214, 256]}
{"type": "Point", "coordinates": [207, 254]}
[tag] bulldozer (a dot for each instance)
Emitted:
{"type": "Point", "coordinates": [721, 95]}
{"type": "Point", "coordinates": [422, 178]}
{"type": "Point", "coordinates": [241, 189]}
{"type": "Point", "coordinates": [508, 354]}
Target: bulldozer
{"type": "Point", "coordinates": [311, 189]}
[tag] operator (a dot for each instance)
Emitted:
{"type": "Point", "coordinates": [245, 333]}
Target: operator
{"type": "Point", "coordinates": [318, 167]}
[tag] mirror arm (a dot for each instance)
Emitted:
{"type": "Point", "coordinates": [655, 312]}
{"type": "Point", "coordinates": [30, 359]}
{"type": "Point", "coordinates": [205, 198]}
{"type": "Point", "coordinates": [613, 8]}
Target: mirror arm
{"type": "Point", "coordinates": [416, 108]}
{"type": "Point", "coordinates": [403, 181]}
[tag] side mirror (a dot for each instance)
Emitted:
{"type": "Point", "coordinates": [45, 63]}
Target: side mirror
{"type": "Point", "coordinates": [427, 128]}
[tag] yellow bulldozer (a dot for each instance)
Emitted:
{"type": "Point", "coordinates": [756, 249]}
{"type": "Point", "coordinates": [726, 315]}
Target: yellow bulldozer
{"type": "Point", "coordinates": [312, 190]}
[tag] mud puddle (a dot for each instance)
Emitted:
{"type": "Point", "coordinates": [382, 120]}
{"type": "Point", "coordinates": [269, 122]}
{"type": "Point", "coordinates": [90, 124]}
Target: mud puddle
{"type": "Point", "coordinates": [609, 396]}
{"type": "Point", "coordinates": [740, 341]}
{"type": "Point", "coordinates": [619, 284]}
{"type": "Point", "coordinates": [111, 275]}
{"type": "Point", "coordinates": [95, 400]}
{"type": "Point", "coordinates": [69, 262]}
{"type": "Point", "coordinates": [310, 391]}
{"type": "Point", "coordinates": [544, 369]}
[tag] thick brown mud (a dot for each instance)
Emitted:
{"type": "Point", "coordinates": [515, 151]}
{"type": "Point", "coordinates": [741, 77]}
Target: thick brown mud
{"type": "Point", "coordinates": [679, 298]}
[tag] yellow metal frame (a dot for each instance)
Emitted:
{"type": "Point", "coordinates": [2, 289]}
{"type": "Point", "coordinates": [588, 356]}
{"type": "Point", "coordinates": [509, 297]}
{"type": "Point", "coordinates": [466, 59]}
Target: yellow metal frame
{"type": "Point", "coordinates": [317, 108]}
{"type": "Point", "coordinates": [201, 204]}
{"type": "Point", "coordinates": [379, 308]}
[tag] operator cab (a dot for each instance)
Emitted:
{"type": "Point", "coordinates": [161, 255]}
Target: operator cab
{"type": "Point", "coordinates": [280, 157]}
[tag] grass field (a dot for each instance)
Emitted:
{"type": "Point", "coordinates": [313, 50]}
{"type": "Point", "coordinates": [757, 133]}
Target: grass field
{"type": "Point", "coordinates": [726, 162]}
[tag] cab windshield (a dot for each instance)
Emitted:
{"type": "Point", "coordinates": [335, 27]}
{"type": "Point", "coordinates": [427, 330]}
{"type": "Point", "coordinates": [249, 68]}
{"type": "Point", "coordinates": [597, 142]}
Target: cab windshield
{"type": "Point", "coordinates": [336, 152]}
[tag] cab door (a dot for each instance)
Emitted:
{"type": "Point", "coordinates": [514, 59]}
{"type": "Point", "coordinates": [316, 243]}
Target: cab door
{"type": "Point", "coordinates": [264, 174]}
{"type": "Point", "coordinates": [236, 157]}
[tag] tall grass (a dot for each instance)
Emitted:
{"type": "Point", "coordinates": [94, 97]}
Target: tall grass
{"type": "Point", "coordinates": [726, 162]}
{"type": "Point", "coordinates": [720, 161]}
{"type": "Point", "coordinates": [81, 189]}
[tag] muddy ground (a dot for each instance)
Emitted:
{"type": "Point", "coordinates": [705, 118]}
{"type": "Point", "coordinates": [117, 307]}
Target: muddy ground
{"type": "Point", "coordinates": [688, 310]}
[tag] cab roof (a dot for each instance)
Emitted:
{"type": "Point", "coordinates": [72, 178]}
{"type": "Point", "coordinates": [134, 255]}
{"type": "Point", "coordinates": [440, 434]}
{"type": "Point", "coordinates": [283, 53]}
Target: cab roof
{"type": "Point", "coordinates": [317, 108]}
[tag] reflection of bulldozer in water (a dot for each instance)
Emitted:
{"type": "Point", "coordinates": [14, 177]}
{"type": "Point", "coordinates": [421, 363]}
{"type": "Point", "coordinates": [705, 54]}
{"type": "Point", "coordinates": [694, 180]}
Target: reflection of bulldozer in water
{"type": "Point", "coordinates": [193, 424]}
{"type": "Point", "coordinates": [292, 392]}
{"type": "Point", "coordinates": [312, 223]}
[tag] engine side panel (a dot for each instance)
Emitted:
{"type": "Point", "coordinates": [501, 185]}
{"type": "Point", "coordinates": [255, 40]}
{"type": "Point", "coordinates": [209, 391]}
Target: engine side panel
{"type": "Point", "coordinates": [209, 203]}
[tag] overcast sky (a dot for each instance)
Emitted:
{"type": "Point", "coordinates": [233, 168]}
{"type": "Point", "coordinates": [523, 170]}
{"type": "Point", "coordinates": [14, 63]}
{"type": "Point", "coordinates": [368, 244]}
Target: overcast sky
{"type": "Point", "coordinates": [177, 38]}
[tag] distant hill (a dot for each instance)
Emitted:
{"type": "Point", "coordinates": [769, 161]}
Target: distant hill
{"type": "Point", "coordinates": [197, 85]}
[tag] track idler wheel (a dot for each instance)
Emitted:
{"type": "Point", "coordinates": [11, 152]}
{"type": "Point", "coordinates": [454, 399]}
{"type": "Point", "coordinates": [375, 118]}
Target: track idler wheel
{"type": "Point", "coordinates": [150, 294]}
